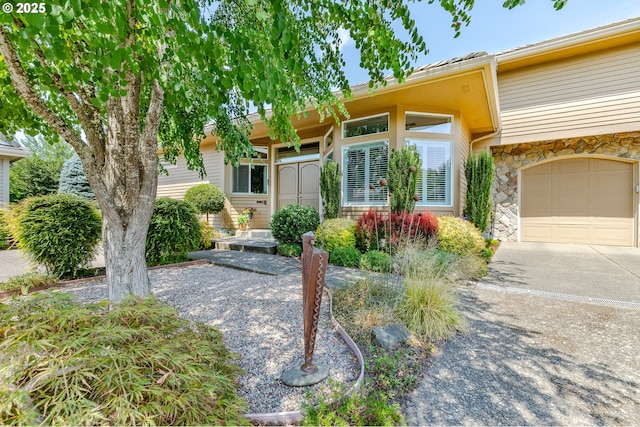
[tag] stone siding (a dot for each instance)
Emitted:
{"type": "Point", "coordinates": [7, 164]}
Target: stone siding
{"type": "Point", "coordinates": [509, 159]}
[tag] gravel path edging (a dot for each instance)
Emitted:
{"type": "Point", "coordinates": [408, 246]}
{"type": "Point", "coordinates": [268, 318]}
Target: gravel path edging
{"type": "Point", "coordinates": [281, 418]}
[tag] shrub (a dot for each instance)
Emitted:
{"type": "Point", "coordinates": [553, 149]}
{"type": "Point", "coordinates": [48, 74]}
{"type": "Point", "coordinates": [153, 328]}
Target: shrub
{"type": "Point", "coordinates": [369, 231]}
{"type": "Point", "coordinates": [289, 249]}
{"type": "Point", "coordinates": [330, 179]}
{"type": "Point", "coordinates": [4, 228]}
{"type": "Point", "coordinates": [174, 230]}
{"type": "Point", "coordinates": [59, 231]}
{"type": "Point", "coordinates": [336, 232]}
{"type": "Point", "coordinates": [479, 171]}
{"type": "Point", "coordinates": [136, 363]}
{"type": "Point", "coordinates": [292, 221]}
{"type": "Point", "coordinates": [73, 179]}
{"type": "Point", "coordinates": [205, 198]}
{"type": "Point", "coordinates": [408, 228]}
{"type": "Point", "coordinates": [376, 261]}
{"type": "Point", "coordinates": [429, 310]}
{"type": "Point", "coordinates": [208, 234]}
{"type": "Point", "coordinates": [404, 169]}
{"type": "Point", "coordinates": [345, 257]}
{"type": "Point", "coordinates": [458, 236]}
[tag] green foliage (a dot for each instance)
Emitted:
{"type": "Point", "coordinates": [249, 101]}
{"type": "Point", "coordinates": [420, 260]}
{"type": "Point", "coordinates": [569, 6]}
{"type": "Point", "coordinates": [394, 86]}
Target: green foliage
{"type": "Point", "coordinates": [376, 261]}
{"type": "Point", "coordinates": [38, 174]}
{"type": "Point", "coordinates": [458, 236]}
{"type": "Point", "coordinates": [330, 181]}
{"type": "Point", "coordinates": [429, 310]}
{"type": "Point", "coordinates": [136, 364]}
{"type": "Point", "coordinates": [336, 232]}
{"type": "Point", "coordinates": [205, 198]}
{"type": "Point", "coordinates": [27, 281]}
{"type": "Point", "coordinates": [363, 408]}
{"type": "Point", "coordinates": [4, 228]}
{"type": "Point", "coordinates": [402, 175]}
{"type": "Point", "coordinates": [208, 234]}
{"type": "Point", "coordinates": [73, 179]}
{"type": "Point", "coordinates": [59, 231]}
{"type": "Point", "coordinates": [479, 171]}
{"type": "Point", "coordinates": [174, 230]}
{"type": "Point", "coordinates": [289, 249]}
{"type": "Point", "coordinates": [292, 221]}
{"type": "Point", "coordinates": [345, 256]}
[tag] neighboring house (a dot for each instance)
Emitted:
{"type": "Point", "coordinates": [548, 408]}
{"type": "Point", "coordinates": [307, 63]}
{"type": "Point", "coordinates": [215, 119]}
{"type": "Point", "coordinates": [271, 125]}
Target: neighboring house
{"type": "Point", "coordinates": [9, 152]}
{"type": "Point", "coordinates": [561, 117]}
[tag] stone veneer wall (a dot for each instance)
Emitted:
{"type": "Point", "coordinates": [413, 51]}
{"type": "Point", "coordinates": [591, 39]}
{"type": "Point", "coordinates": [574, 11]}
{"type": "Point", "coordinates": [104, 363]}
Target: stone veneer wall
{"type": "Point", "coordinates": [510, 158]}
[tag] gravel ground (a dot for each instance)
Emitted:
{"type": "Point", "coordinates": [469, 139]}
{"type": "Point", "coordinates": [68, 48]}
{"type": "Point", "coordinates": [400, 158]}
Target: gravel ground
{"type": "Point", "coordinates": [261, 319]}
{"type": "Point", "coordinates": [534, 360]}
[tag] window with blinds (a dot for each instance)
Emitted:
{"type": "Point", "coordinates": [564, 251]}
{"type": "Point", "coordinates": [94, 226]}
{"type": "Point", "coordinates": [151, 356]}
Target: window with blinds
{"type": "Point", "coordinates": [434, 180]}
{"type": "Point", "coordinates": [363, 167]}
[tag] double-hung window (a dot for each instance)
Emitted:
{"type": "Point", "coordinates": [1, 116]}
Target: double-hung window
{"type": "Point", "coordinates": [363, 167]}
{"type": "Point", "coordinates": [434, 180]}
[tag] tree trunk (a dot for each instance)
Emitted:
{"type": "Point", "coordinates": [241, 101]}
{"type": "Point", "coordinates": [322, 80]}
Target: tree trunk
{"type": "Point", "coordinates": [124, 253]}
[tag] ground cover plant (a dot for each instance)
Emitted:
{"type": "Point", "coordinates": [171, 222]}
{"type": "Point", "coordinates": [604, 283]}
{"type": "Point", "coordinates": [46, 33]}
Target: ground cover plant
{"type": "Point", "coordinates": [25, 282]}
{"type": "Point", "coordinates": [289, 249]}
{"type": "Point", "coordinates": [63, 363]}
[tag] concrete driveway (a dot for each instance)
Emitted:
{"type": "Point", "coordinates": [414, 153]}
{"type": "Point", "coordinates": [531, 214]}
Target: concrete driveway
{"type": "Point", "coordinates": [582, 271]}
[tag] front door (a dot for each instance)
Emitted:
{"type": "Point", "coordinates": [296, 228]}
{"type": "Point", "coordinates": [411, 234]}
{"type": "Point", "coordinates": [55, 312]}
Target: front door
{"type": "Point", "coordinates": [299, 183]}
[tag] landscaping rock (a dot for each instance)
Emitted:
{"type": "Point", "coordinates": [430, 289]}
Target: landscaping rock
{"type": "Point", "coordinates": [390, 336]}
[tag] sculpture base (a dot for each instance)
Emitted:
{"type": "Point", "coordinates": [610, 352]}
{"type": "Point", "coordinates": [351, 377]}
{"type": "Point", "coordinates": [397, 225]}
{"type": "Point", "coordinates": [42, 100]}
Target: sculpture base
{"type": "Point", "coordinates": [296, 377]}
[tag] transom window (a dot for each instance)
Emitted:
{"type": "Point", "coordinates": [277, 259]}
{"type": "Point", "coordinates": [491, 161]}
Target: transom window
{"type": "Point", "coordinates": [250, 179]}
{"type": "Point", "coordinates": [434, 181]}
{"type": "Point", "coordinates": [365, 126]}
{"type": "Point", "coordinates": [428, 123]}
{"type": "Point", "coordinates": [363, 166]}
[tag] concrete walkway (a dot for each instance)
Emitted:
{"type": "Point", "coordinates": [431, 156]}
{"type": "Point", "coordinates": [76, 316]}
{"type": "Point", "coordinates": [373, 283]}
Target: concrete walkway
{"type": "Point", "coordinates": [588, 271]}
{"type": "Point", "coordinates": [12, 263]}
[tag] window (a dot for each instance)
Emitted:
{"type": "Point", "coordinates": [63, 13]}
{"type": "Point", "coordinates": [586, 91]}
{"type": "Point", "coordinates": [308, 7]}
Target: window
{"type": "Point", "coordinates": [250, 179]}
{"type": "Point", "coordinates": [328, 157]}
{"type": "Point", "coordinates": [365, 126]}
{"type": "Point", "coordinates": [307, 151]}
{"type": "Point", "coordinates": [434, 182]}
{"type": "Point", "coordinates": [328, 138]}
{"type": "Point", "coordinates": [363, 166]}
{"type": "Point", "coordinates": [261, 153]}
{"type": "Point", "coordinates": [432, 123]}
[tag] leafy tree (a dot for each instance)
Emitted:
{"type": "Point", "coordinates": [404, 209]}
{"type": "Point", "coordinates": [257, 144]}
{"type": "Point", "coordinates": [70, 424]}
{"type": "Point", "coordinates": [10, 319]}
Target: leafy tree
{"type": "Point", "coordinates": [73, 179]}
{"type": "Point", "coordinates": [205, 198]}
{"type": "Point", "coordinates": [114, 78]}
{"type": "Point", "coordinates": [38, 174]}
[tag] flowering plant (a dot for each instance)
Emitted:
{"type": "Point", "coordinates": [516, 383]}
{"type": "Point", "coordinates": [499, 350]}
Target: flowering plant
{"type": "Point", "coordinates": [249, 211]}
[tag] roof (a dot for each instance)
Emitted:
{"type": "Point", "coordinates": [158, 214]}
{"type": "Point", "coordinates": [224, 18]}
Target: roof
{"type": "Point", "coordinates": [12, 149]}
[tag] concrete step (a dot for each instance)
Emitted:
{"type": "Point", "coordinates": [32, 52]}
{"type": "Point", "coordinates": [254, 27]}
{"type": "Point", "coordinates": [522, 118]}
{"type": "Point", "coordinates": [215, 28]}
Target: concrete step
{"type": "Point", "coordinates": [257, 245]}
{"type": "Point", "coordinates": [254, 234]}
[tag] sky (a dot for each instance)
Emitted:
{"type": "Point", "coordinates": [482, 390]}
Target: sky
{"type": "Point", "coordinates": [495, 29]}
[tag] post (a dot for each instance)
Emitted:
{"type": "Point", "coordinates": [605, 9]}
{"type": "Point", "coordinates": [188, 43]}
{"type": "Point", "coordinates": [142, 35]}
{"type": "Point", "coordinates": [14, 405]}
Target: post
{"type": "Point", "coordinates": [314, 267]}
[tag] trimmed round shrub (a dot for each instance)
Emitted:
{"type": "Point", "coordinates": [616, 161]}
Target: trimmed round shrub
{"type": "Point", "coordinates": [345, 257]}
{"type": "Point", "coordinates": [289, 249]}
{"type": "Point", "coordinates": [458, 236]}
{"type": "Point", "coordinates": [174, 230]}
{"type": "Point", "coordinates": [135, 363]}
{"type": "Point", "coordinates": [376, 261]}
{"type": "Point", "coordinates": [292, 221]}
{"type": "Point", "coordinates": [59, 231]}
{"type": "Point", "coordinates": [205, 198]}
{"type": "Point", "coordinates": [336, 232]}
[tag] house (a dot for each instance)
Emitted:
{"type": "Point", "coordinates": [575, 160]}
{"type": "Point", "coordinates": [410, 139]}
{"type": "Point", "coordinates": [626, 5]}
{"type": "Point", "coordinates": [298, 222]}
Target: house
{"type": "Point", "coordinates": [9, 152]}
{"type": "Point", "coordinates": [561, 118]}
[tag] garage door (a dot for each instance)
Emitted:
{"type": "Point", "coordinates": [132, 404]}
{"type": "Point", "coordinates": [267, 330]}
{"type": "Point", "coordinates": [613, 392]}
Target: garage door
{"type": "Point", "coordinates": [578, 201]}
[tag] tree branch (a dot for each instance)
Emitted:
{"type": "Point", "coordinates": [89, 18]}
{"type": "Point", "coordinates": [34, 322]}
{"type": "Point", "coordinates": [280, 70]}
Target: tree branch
{"type": "Point", "coordinates": [25, 89]}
